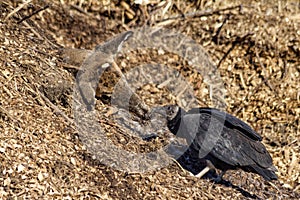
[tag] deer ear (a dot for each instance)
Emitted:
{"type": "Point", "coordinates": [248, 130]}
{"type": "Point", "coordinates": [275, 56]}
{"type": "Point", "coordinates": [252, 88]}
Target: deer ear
{"type": "Point", "coordinates": [114, 45]}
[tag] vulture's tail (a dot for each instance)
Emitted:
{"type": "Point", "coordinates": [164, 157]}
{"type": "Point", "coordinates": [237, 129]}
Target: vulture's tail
{"type": "Point", "coordinates": [267, 173]}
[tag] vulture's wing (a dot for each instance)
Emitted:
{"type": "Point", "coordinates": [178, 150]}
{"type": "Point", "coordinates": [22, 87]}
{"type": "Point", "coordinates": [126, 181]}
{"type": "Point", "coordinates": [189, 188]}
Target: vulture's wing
{"type": "Point", "coordinates": [230, 121]}
{"type": "Point", "coordinates": [236, 149]}
{"type": "Point", "coordinates": [226, 142]}
{"type": "Point", "coordinates": [210, 136]}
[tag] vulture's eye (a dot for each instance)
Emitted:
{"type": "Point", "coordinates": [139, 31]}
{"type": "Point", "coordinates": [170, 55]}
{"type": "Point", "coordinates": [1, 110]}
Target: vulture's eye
{"type": "Point", "coordinates": [170, 110]}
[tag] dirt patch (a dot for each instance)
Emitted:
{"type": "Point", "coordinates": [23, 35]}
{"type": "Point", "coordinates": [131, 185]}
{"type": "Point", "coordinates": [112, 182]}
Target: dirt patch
{"type": "Point", "coordinates": [256, 47]}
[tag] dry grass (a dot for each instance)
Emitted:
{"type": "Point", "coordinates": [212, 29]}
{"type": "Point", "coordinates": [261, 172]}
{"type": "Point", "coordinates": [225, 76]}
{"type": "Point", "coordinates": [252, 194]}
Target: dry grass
{"type": "Point", "coordinates": [257, 51]}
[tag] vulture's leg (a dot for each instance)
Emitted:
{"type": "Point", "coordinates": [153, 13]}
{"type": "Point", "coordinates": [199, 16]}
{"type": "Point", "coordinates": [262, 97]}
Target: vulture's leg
{"type": "Point", "coordinates": [209, 166]}
{"type": "Point", "coordinates": [203, 172]}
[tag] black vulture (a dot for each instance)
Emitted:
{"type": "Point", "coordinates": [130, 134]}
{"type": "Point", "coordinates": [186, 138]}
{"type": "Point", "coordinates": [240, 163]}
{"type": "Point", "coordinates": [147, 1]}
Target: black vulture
{"type": "Point", "coordinates": [222, 140]}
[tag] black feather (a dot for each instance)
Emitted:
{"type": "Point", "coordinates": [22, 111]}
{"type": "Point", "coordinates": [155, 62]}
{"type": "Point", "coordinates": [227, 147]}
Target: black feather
{"type": "Point", "coordinates": [224, 140]}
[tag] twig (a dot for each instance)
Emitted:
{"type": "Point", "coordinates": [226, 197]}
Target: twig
{"type": "Point", "coordinates": [216, 36]}
{"type": "Point", "coordinates": [17, 9]}
{"type": "Point", "coordinates": [34, 32]}
{"type": "Point", "coordinates": [238, 40]}
{"type": "Point", "coordinates": [274, 186]}
{"type": "Point", "coordinates": [32, 28]}
{"type": "Point", "coordinates": [34, 13]}
{"type": "Point", "coordinates": [81, 10]}
{"type": "Point", "coordinates": [56, 109]}
{"type": "Point", "coordinates": [264, 69]}
{"type": "Point", "coordinates": [201, 13]}
{"type": "Point", "coordinates": [179, 165]}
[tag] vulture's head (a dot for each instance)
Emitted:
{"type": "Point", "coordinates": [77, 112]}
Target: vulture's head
{"type": "Point", "coordinates": [172, 114]}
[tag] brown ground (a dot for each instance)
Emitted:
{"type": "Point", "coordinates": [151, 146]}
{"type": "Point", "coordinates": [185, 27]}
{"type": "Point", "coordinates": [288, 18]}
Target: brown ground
{"type": "Point", "coordinates": [257, 50]}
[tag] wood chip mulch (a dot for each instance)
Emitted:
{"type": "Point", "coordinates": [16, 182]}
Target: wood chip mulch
{"type": "Point", "coordinates": [255, 45]}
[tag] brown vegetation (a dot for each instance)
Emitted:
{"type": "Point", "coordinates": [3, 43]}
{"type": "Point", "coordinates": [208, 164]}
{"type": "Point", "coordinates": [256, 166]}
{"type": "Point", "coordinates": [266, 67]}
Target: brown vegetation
{"type": "Point", "coordinates": [256, 47]}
